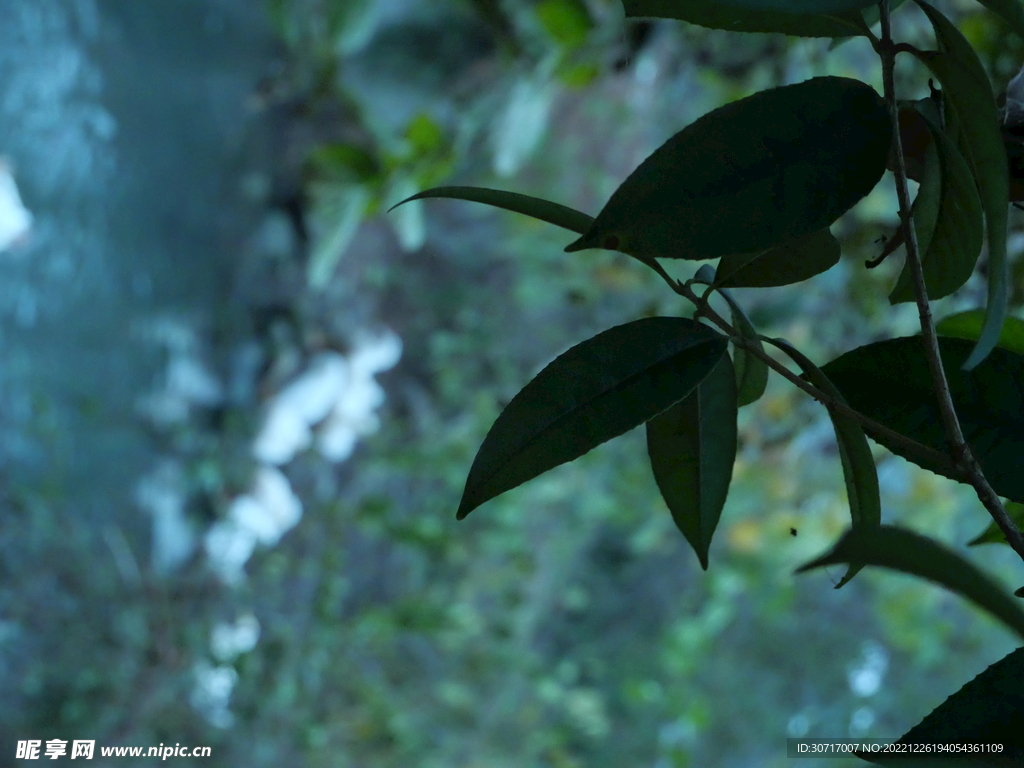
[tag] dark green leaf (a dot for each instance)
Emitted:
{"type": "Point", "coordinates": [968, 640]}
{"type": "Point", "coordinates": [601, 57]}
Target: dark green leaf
{"type": "Point", "coordinates": [989, 710]}
{"type": "Point", "coordinates": [889, 381]}
{"type": "Point", "coordinates": [798, 6]}
{"type": "Point", "coordinates": [859, 470]}
{"type": "Point", "coordinates": [751, 371]}
{"type": "Point", "coordinates": [902, 550]}
{"type": "Point", "coordinates": [799, 259]}
{"type": "Point", "coordinates": [597, 390]}
{"type": "Point", "coordinates": [545, 210]}
{"type": "Point", "coordinates": [751, 175]}
{"type": "Point", "coordinates": [949, 234]}
{"type": "Point", "coordinates": [692, 447]}
{"type": "Point", "coordinates": [968, 325]}
{"type": "Point", "coordinates": [715, 15]}
{"type": "Point", "coordinates": [993, 534]}
{"type": "Point", "coordinates": [968, 93]}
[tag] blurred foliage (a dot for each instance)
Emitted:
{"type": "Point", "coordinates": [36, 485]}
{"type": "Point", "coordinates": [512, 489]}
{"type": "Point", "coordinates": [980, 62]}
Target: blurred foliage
{"type": "Point", "coordinates": [567, 623]}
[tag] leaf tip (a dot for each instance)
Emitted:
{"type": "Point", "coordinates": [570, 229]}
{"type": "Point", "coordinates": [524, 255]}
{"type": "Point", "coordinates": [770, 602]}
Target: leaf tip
{"type": "Point", "coordinates": [579, 244]}
{"type": "Point", "coordinates": [464, 510]}
{"type": "Point", "coordinates": [403, 202]}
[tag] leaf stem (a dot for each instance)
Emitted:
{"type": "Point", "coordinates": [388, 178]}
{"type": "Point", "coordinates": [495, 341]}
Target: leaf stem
{"type": "Point", "coordinates": [961, 452]}
{"type": "Point", "coordinates": [872, 427]}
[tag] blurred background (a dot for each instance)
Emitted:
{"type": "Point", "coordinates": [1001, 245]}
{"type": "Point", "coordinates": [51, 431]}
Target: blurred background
{"type": "Point", "coordinates": [239, 401]}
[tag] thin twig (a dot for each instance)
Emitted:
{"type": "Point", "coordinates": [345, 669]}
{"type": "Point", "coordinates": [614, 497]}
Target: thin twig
{"type": "Point", "coordinates": [876, 429]}
{"type": "Point", "coordinates": [961, 452]}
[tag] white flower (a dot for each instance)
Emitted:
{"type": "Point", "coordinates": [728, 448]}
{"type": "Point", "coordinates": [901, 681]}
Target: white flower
{"type": "Point", "coordinates": [336, 439]}
{"type": "Point", "coordinates": [229, 547]}
{"type": "Point", "coordinates": [227, 641]}
{"type": "Point", "coordinates": [304, 402]}
{"type": "Point", "coordinates": [312, 394]}
{"type": "Point", "coordinates": [15, 218]}
{"type": "Point", "coordinates": [161, 494]}
{"type": "Point", "coordinates": [375, 353]}
{"type": "Point", "coordinates": [284, 434]}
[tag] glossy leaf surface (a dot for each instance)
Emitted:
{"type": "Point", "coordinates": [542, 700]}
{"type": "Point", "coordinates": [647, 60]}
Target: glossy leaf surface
{"type": "Point", "coordinates": [535, 207]}
{"type": "Point", "coordinates": [859, 471]}
{"type": "Point", "coordinates": [889, 382]}
{"type": "Point", "coordinates": [751, 175]}
{"type": "Point", "coordinates": [968, 92]}
{"type": "Point", "coordinates": [692, 447]}
{"type": "Point", "coordinates": [989, 710]}
{"type": "Point", "coordinates": [799, 259]}
{"type": "Point", "coordinates": [903, 550]}
{"type": "Point", "coordinates": [597, 390]}
{"type": "Point", "coordinates": [950, 233]}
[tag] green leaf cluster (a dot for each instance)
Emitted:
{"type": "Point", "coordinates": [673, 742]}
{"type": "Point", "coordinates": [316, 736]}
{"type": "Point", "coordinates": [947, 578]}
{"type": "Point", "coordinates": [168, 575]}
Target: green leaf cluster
{"type": "Point", "coordinates": [757, 183]}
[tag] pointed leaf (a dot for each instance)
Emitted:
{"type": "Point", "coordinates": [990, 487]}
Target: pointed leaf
{"type": "Point", "coordinates": [792, 262]}
{"type": "Point", "coordinates": [538, 208]}
{"type": "Point", "coordinates": [950, 234]}
{"type": "Point", "coordinates": [751, 175]}
{"type": "Point", "coordinates": [989, 711]}
{"type": "Point", "coordinates": [597, 390]}
{"type": "Point", "coordinates": [993, 534]}
{"type": "Point", "coordinates": [902, 550]}
{"type": "Point", "coordinates": [968, 325]}
{"type": "Point", "coordinates": [859, 471]}
{"type": "Point", "coordinates": [889, 381]}
{"type": "Point", "coordinates": [692, 447]}
{"type": "Point", "coordinates": [715, 15]}
{"type": "Point", "coordinates": [968, 93]}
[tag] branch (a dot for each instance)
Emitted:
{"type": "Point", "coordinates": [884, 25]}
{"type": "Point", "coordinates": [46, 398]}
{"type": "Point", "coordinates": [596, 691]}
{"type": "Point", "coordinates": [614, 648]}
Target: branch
{"type": "Point", "coordinates": [961, 452]}
{"type": "Point", "coordinates": [872, 427]}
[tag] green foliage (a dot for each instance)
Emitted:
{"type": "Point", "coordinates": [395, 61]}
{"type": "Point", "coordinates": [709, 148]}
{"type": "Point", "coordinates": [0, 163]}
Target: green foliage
{"type": "Point", "coordinates": [969, 95]}
{"type": "Point", "coordinates": [597, 390]}
{"type": "Point", "coordinates": [890, 382]}
{"type": "Point", "coordinates": [799, 259]}
{"type": "Point", "coordinates": [902, 550]}
{"type": "Point", "coordinates": [858, 464]}
{"type": "Point", "coordinates": [788, 161]}
{"type": "Point", "coordinates": [969, 324]}
{"type": "Point", "coordinates": [542, 210]}
{"type": "Point", "coordinates": [947, 219]}
{"type": "Point", "coordinates": [758, 182]}
{"type": "Point", "coordinates": [993, 534]}
{"type": "Point", "coordinates": [692, 447]}
{"type": "Point", "coordinates": [716, 15]}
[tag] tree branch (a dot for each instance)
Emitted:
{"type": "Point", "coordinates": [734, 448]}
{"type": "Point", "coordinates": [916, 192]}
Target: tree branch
{"type": "Point", "coordinates": [961, 451]}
